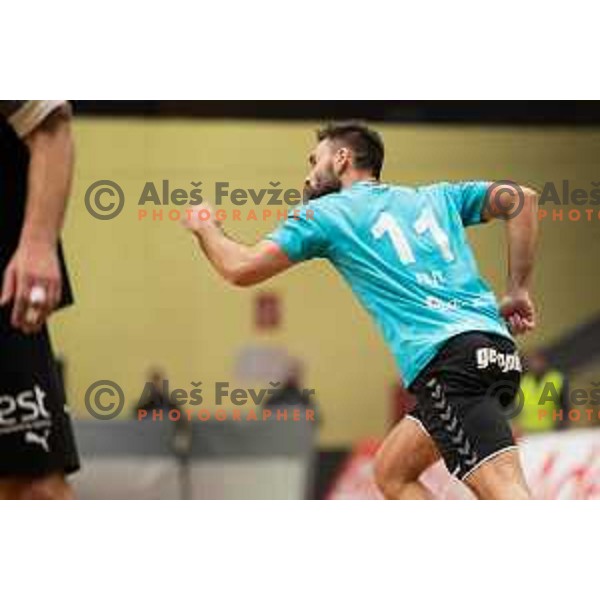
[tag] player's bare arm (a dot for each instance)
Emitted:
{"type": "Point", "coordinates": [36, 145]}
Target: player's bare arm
{"type": "Point", "coordinates": [237, 263]}
{"type": "Point", "coordinates": [521, 233]}
{"type": "Point", "coordinates": [35, 264]}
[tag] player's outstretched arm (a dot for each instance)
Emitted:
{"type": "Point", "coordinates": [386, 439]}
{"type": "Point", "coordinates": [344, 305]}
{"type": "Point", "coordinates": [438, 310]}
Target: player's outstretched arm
{"type": "Point", "coordinates": [237, 263]}
{"type": "Point", "coordinates": [521, 218]}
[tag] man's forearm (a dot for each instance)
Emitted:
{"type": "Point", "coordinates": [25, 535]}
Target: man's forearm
{"type": "Point", "coordinates": [522, 232]}
{"type": "Point", "coordinates": [49, 179]}
{"type": "Point", "coordinates": [239, 264]}
{"type": "Point", "coordinates": [229, 258]}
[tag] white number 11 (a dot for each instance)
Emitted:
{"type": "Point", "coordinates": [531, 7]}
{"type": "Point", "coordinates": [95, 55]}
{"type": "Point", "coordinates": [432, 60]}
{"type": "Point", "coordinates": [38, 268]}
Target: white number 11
{"type": "Point", "coordinates": [426, 222]}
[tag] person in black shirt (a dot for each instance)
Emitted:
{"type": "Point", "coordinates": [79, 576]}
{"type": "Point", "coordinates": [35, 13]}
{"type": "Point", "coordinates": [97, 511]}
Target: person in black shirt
{"type": "Point", "coordinates": [153, 397]}
{"type": "Point", "coordinates": [37, 448]}
{"type": "Point", "coordinates": [292, 395]}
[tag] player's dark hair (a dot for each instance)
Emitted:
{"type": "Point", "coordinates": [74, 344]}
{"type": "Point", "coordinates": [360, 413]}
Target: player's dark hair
{"type": "Point", "coordinates": [366, 144]}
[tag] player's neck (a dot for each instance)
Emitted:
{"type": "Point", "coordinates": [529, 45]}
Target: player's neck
{"type": "Point", "coordinates": [352, 177]}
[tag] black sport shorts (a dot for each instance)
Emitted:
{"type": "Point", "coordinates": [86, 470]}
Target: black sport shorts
{"type": "Point", "coordinates": [462, 395]}
{"type": "Point", "coordinates": [36, 437]}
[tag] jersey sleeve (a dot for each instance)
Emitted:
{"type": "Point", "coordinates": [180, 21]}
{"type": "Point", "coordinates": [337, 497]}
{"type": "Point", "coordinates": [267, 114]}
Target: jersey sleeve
{"type": "Point", "coordinates": [25, 115]}
{"type": "Point", "coordinates": [469, 198]}
{"type": "Point", "coordinates": [301, 236]}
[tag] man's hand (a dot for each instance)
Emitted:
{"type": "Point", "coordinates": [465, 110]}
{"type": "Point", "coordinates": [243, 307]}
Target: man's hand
{"type": "Point", "coordinates": [32, 282]}
{"type": "Point", "coordinates": [200, 218]}
{"type": "Point", "coordinates": [518, 311]}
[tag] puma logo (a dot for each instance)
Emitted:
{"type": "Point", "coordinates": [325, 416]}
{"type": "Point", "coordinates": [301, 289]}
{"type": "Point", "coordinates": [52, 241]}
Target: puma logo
{"type": "Point", "coordinates": [34, 438]}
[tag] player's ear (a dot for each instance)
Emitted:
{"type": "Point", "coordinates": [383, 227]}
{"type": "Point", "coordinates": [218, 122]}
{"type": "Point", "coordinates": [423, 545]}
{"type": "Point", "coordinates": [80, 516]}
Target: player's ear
{"type": "Point", "coordinates": [342, 159]}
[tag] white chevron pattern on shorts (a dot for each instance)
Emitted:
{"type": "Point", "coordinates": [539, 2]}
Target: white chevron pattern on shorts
{"type": "Point", "coordinates": [450, 422]}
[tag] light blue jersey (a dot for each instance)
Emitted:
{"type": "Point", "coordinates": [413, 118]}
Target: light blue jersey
{"type": "Point", "coordinates": [405, 254]}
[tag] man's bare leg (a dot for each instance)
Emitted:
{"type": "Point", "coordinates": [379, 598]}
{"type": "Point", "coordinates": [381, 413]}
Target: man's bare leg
{"type": "Point", "coordinates": [51, 487]}
{"type": "Point", "coordinates": [500, 478]}
{"type": "Point", "coordinates": [9, 489]}
{"type": "Point", "coordinates": [405, 454]}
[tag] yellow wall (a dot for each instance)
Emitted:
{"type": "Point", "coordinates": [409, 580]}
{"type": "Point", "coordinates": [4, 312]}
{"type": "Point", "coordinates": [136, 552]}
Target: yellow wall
{"type": "Point", "coordinates": [144, 297]}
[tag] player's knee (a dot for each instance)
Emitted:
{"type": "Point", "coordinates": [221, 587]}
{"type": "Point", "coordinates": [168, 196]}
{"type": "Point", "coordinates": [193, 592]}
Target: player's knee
{"type": "Point", "coordinates": [47, 489]}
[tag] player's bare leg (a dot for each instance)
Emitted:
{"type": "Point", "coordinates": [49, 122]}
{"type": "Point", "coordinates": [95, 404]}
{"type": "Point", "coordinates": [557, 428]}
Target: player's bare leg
{"type": "Point", "coordinates": [51, 487]}
{"type": "Point", "coordinates": [405, 454]}
{"type": "Point", "coordinates": [500, 478]}
{"type": "Point", "coordinates": [9, 489]}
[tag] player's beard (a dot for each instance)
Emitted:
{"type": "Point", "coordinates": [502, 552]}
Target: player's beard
{"type": "Point", "coordinates": [327, 184]}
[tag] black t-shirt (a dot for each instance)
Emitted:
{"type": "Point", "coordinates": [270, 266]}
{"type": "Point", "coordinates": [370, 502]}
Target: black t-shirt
{"type": "Point", "coordinates": [14, 164]}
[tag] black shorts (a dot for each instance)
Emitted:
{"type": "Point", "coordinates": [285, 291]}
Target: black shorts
{"type": "Point", "coordinates": [463, 395]}
{"type": "Point", "coordinates": [36, 436]}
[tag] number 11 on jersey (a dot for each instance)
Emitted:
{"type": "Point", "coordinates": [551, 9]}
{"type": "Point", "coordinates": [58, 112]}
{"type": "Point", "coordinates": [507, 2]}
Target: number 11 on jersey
{"type": "Point", "coordinates": [426, 222]}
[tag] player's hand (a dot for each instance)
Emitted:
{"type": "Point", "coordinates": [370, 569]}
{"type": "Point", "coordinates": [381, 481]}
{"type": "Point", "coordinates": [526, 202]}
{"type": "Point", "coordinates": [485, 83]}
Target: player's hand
{"type": "Point", "coordinates": [32, 282]}
{"type": "Point", "coordinates": [199, 218]}
{"type": "Point", "coordinates": [518, 311]}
